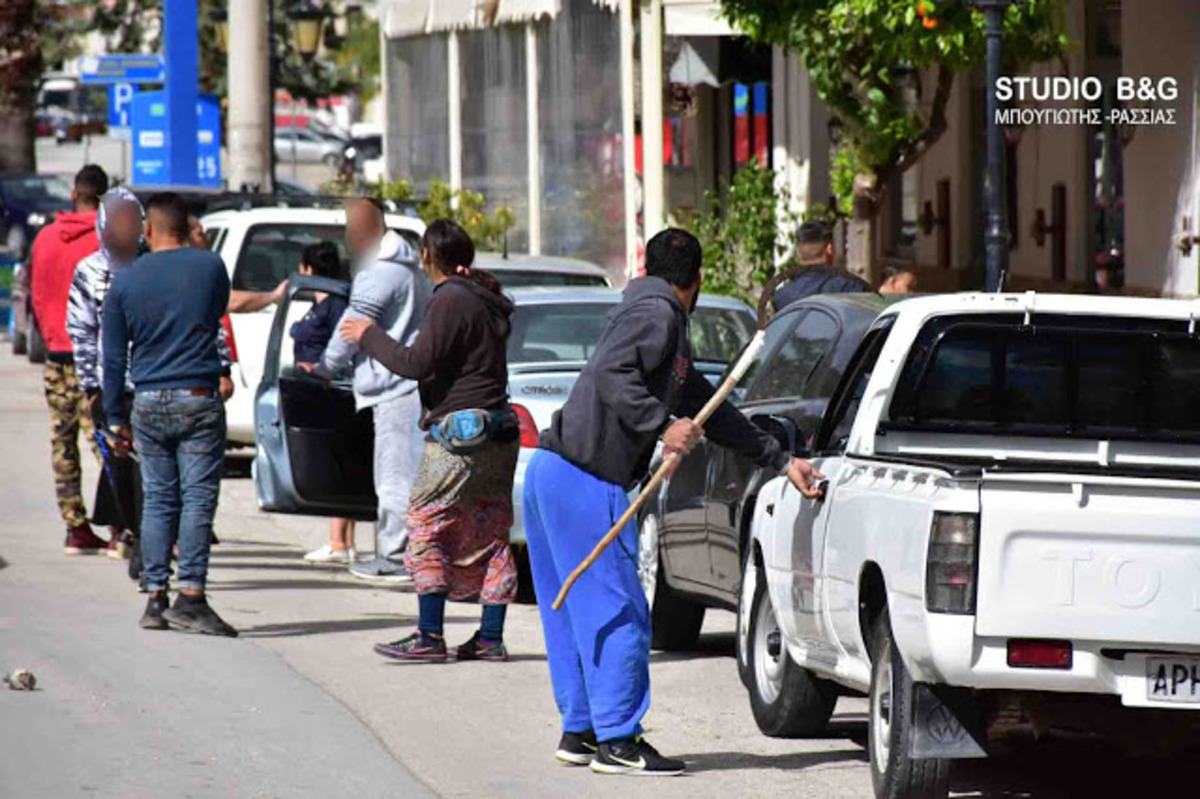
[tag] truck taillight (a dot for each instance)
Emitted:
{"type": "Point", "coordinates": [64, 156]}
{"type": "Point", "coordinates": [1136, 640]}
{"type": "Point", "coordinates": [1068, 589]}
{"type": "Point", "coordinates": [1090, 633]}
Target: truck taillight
{"type": "Point", "coordinates": [529, 431]}
{"type": "Point", "coordinates": [227, 325]}
{"type": "Point", "coordinates": [952, 565]}
{"type": "Point", "coordinates": [1028, 653]}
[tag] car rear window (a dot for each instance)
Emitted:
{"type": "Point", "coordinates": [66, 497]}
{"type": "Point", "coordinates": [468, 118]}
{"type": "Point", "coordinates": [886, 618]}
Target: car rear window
{"type": "Point", "coordinates": [524, 278]}
{"type": "Point", "coordinates": [568, 332]}
{"type": "Point", "coordinates": [555, 333]}
{"type": "Point", "coordinates": [271, 252]}
{"type": "Point", "coordinates": [1088, 377]}
{"type": "Point", "coordinates": [719, 334]}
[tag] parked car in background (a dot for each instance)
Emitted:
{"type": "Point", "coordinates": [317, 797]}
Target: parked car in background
{"type": "Point", "coordinates": [71, 109]}
{"type": "Point", "coordinates": [1007, 540]}
{"type": "Point", "coordinates": [313, 453]}
{"type": "Point", "coordinates": [27, 202]}
{"type": "Point", "coordinates": [306, 146]}
{"type": "Point", "coordinates": [523, 271]}
{"type": "Point", "coordinates": [694, 531]}
{"type": "Point", "coordinates": [261, 247]}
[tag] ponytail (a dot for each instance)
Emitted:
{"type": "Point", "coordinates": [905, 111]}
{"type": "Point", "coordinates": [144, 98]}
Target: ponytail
{"type": "Point", "coordinates": [451, 250]}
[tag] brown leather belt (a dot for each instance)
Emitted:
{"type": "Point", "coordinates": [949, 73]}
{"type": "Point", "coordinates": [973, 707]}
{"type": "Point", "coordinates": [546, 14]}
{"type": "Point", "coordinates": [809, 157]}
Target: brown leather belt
{"type": "Point", "coordinates": [201, 392]}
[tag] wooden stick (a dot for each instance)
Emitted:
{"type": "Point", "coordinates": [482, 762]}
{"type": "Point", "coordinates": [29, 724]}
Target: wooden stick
{"type": "Point", "coordinates": [710, 407]}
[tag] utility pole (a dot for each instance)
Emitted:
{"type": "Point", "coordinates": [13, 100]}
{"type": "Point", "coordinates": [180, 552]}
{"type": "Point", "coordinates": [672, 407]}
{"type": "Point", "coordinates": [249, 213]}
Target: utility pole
{"type": "Point", "coordinates": [251, 104]}
{"type": "Point", "coordinates": [996, 235]}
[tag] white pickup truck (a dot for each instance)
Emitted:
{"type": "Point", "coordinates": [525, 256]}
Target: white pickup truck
{"type": "Point", "coordinates": [1009, 537]}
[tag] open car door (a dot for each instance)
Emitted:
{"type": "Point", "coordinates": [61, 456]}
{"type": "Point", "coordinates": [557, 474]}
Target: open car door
{"type": "Point", "coordinates": [313, 451]}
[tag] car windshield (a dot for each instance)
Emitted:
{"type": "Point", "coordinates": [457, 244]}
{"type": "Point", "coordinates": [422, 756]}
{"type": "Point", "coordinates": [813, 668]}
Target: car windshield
{"type": "Point", "coordinates": [568, 332]}
{"type": "Point", "coordinates": [35, 187]}
{"type": "Point", "coordinates": [523, 278]}
{"type": "Point", "coordinates": [271, 252]}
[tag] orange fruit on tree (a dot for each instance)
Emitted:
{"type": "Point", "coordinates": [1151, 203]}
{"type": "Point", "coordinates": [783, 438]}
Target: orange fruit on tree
{"type": "Point", "coordinates": [930, 23]}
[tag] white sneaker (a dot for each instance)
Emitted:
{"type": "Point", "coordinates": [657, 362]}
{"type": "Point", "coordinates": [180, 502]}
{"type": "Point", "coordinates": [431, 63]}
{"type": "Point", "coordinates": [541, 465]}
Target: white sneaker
{"type": "Point", "coordinates": [328, 554]}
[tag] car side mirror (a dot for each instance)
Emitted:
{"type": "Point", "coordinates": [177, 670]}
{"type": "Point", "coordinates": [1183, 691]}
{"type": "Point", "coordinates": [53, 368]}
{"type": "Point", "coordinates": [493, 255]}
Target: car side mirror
{"type": "Point", "coordinates": [789, 435]}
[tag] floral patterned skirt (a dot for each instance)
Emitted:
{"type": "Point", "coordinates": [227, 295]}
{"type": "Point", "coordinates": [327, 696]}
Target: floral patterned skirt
{"type": "Point", "coordinates": [459, 519]}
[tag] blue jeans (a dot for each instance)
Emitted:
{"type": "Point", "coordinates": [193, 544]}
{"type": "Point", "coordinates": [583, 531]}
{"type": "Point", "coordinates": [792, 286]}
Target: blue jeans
{"type": "Point", "coordinates": [180, 438]}
{"type": "Point", "coordinates": [598, 644]}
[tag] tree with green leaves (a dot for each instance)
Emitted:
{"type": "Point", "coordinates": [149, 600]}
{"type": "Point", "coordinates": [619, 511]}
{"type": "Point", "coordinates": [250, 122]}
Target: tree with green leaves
{"type": "Point", "coordinates": [885, 69]}
{"type": "Point", "coordinates": [20, 65]}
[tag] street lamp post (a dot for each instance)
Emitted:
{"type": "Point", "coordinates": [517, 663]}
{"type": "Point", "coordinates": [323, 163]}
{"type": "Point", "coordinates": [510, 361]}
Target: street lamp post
{"type": "Point", "coordinates": [307, 18]}
{"type": "Point", "coordinates": [996, 235]}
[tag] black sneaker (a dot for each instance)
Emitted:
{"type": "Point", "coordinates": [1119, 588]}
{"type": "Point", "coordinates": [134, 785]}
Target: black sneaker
{"type": "Point", "coordinates": [576, 748]}
{"type": "Point", "coordinates": [153, 619]}
{"type": "Point", "coordinates": [193, 614]}
{"type": "Point", "coordinates": [635, 757]}
{"type": "Point", "coordinates": [476, 649]}
{"type": "Point", "coordinates": [415, 647]}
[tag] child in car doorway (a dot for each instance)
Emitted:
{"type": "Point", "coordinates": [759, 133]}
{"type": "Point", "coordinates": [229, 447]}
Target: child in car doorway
{"type": "Point", "coordinates": [310, 336]}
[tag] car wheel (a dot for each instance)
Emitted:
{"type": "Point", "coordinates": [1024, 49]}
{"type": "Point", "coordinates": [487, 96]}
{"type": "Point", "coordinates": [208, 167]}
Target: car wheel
{"type": "Point", "coordinates": [675, 621]}
{"type": "Point", "coordinates": [894, 774]}
{"type": "Point", "coordinates": [788, 701]}
{"type": "Point", "coordinates": [741, 641]}
{"type": "Point", "coordinates": [36, 345]}
{"type": "Point", "coordinates": [19, 343]}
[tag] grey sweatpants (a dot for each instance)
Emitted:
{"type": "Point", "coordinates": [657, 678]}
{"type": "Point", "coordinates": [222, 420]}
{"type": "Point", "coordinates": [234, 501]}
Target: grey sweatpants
{"type": "Point", "coordinates": [398, 447]}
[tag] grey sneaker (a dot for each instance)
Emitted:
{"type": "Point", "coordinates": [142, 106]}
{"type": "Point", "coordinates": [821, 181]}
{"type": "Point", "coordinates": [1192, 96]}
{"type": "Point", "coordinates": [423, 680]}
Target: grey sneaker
{"type": "Point", "coordinates": [193, 614]}
{"type": "Point", "coordinates": [153, 619]}
{"type": "Point", "coordinates": [382, 571]}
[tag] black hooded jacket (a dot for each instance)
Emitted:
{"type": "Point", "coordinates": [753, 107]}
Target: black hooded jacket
{"type": "Point", "coordinates": [459, 358]}
{"type": "Point", "coordinates": [641, 375]}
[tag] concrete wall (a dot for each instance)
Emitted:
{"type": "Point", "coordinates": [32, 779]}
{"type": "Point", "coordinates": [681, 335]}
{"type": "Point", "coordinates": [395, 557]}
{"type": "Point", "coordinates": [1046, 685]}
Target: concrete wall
{"type": "Point", "coordinates": [1162, 164]}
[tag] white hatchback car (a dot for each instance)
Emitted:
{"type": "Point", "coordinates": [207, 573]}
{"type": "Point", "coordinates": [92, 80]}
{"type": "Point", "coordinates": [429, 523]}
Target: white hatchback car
{"type": "Point", "coordinates": [261, 247]}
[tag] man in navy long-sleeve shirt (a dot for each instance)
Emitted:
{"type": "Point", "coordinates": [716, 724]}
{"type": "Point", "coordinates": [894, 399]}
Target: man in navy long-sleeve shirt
{"type": "Point", "coordinates": [161, 318]}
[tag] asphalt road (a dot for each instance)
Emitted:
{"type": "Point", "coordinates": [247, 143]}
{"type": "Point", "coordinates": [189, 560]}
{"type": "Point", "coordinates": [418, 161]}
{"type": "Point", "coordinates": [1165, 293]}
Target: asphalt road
{"type": "Point", "coordinates": [299, 706]}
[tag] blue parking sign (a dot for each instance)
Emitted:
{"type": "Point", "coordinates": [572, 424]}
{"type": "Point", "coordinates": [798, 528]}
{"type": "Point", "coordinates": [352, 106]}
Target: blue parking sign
{"type": "Point", "coordinates": [120, 95]}
{"type": "Point", "coordinates": [148, 117]}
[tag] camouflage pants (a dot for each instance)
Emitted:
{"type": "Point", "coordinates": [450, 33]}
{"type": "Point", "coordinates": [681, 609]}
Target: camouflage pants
{"type": "Point", "coordinates": [67, 414]}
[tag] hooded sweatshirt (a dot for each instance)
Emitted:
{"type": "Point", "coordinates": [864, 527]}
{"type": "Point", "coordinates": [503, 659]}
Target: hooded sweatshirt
{"type": "Point", "coordinates": [57, 249]}
{"type": "Point", "coordinates": [89, 287]}
{"type": "Point", "coordinates": [460, 355]}
{"type": "Point", "coordinates": [391, 290]}
{"type": "Point", "coordinates": [639, 376]}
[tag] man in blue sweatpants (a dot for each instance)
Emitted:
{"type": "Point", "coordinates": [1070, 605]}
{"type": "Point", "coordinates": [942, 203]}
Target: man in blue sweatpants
{"type": "Point", "coordinates": [597, 448]}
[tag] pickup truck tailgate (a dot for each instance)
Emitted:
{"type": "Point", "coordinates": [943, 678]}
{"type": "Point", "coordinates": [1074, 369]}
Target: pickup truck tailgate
{"type": "Point", "coordinates": [1089, 558]}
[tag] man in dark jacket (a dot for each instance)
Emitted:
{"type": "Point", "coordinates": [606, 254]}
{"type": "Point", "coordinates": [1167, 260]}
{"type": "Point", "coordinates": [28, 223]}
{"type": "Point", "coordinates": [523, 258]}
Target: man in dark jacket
{"type": "Point", "coordinates": [814, 252]}
{"type": "Point", "coordinates": [597, 448]}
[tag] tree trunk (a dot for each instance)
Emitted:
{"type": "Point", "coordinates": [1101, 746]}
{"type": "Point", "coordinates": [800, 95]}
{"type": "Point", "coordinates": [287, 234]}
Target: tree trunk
{"type": "Point", "coordinates": [860, 230]}
{"type": "Point", "coordinates": [20, 67]}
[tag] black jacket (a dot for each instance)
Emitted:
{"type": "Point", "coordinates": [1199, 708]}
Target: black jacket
{"type": "Point", "coordinates": [640, 376]}
{"type": "Point", "coordinates": [817, 280]}
{"type": "Point", "coordinates": [459, 359]}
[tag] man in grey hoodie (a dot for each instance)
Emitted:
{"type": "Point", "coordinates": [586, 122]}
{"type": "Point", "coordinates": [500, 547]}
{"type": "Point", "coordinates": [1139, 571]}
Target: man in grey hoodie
{"type": "Point", "coordinates": [390, 289]}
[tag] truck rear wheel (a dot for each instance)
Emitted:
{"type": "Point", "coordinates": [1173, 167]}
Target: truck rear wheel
{"type": "Point", "coordinates": [894, 774]}
{"type": "Point", "coordinates": [788, 701]}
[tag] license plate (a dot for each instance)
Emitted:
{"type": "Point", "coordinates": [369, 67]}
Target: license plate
{"type": "Point", "coordinates": [1173, 679]}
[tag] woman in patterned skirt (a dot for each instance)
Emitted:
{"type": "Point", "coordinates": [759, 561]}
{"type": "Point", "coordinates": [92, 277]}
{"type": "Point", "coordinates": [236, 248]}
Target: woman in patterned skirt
{"type": "Point", "coordinates": [461, 509]}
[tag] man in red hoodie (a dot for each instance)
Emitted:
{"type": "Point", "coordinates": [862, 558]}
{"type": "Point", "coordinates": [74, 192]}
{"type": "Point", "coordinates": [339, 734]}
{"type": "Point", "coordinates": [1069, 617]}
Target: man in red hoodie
{"type": "Point", "coordinates": [57, 249]}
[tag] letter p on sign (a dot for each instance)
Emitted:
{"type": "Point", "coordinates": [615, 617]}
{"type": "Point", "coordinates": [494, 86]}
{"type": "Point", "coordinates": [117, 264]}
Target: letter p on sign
{"type": "Point", "coordinates": [120, 95]}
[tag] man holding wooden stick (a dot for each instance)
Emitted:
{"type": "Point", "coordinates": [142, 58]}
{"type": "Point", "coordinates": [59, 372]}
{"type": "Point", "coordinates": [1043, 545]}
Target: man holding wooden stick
{"type": "Point", "coordinates": [598, 447]}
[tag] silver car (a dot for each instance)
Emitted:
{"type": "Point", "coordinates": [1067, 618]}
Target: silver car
{"type": "Point", "coordinates": [306, 146]}
{"type": "Point", "coordinates": [313, 451]}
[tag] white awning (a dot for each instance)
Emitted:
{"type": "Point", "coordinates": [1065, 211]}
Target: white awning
{"type": "Point", "coordinates": [697, 63]}
{"type": "Point", "coordinates": [695, 18]}
{"type": "Point", "coordinates": [447, 15]}
{"type": "Point", "coordinates": [520, 11]}
{"type": "Point", "coordinates": [405, 18]}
